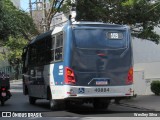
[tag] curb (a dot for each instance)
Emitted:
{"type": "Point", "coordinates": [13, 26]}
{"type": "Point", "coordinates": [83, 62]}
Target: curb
{"type": "Point", "coordinates": [14, 81]}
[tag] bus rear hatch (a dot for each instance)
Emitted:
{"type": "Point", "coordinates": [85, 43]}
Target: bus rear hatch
{"type": "Point", "coordinates": [101, 57]}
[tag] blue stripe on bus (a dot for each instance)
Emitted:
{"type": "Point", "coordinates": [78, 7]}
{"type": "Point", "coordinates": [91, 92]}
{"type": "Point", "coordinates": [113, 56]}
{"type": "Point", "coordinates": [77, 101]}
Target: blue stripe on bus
{"type": "Point", "coordinates": [58, 73]}
{"type": "Point", "coordinates": [68, 47]}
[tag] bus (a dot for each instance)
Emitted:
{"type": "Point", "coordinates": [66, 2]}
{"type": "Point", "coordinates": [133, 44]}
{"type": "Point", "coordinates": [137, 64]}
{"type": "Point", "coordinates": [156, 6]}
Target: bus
{"type": "Point", "coordinates": [79, 62]}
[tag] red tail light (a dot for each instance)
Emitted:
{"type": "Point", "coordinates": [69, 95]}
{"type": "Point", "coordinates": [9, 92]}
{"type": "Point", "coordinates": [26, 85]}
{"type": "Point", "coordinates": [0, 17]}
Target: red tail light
{"type": "Point", "coordinates": [3, 89]}
{"type": "Point", "coordinates": [130, 76]}
{"type": "Point", "coordinates": [69, 76]}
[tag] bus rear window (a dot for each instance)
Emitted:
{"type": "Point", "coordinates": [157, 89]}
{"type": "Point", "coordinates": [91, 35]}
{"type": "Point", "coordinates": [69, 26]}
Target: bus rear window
{"type": "Point", "coordinates": [99, 38]}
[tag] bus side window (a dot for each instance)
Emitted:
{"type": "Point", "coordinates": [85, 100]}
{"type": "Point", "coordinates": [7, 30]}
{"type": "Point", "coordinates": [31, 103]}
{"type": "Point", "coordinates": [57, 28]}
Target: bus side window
{"type": "Point", "coordinates": [24, 59]}
{"type": "Point", "coordinates": [48, 54]}
{"type": "Point", "coordinates": [59, 47]}
{"type": "Point", "coordinates": [41, 52]}
{"type": "Point", "coordinates": [53, 48]}
{"type": "Point", "coordinates": [26, 63]}
{"type": "Point", "coordinates": [32, 55]}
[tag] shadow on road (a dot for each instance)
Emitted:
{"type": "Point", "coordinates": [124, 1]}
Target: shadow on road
{"type": "Point", "coordinates": [87, 110]}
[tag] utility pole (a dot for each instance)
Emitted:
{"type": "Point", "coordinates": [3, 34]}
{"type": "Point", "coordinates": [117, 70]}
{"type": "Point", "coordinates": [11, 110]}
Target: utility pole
{"type": "Point", "coordinates": [36, 5]}
{"type": "Point", "coordinates": [30, 7]}
{"type": "Point", "coordinates": [44, 16]}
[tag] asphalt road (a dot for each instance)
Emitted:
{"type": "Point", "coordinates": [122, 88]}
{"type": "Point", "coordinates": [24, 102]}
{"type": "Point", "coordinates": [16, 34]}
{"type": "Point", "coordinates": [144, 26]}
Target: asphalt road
{"type": "Point", "coordinates": [19, 103]}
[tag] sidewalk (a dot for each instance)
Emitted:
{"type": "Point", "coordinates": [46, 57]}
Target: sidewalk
{"type": "Point", "coordinates": [148, 102]}
{"type": "Point", "coordinates": [16, 81]}
{"type": "Point", "coordinates": [16, 86]}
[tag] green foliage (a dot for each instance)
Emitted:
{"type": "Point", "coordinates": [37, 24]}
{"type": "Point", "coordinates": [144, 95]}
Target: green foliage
{"type": "Point", "coordinates": [129, 2]}
{"type": "Point", "coordinates": [141, 15]}
{"type": "Point", "coordinates": [16, 29]}
{"type": "Point", "coordinates": [13, 50]}
{"type": "Point", "coordinates": [15, 47]}
{"type": "Point", "coordinates": [14, 22]}
{"type": "Point", "coordinates": [155, 87]}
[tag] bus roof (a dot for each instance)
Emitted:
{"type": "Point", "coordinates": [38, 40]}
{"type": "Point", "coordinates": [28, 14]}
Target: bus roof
{"type": "Point", "coordinates": [56, 30]}
{"type": "Point", "coordinates": [78, 24]}
{"type": "Point", "coordinates": [98, 24]}
{"type": "Point", "coordinates": [41, 36]}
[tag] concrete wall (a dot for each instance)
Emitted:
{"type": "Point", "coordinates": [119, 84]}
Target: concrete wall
{"type": "Point", "coordinates": [146, 65]}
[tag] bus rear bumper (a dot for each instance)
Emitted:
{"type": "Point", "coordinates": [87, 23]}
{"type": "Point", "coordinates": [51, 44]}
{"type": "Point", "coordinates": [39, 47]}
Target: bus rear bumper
{"type": "Point", "coordinates": [65, 92]}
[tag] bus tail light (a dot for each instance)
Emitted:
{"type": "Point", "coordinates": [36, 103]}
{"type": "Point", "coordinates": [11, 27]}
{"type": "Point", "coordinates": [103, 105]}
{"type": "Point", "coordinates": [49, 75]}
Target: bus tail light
{"type": "Point", "coordinates": [130, 76]}
{"type": "Point", "coordinates": [3, 89]}
{"type": "Point", "coordinates": [69, 76]}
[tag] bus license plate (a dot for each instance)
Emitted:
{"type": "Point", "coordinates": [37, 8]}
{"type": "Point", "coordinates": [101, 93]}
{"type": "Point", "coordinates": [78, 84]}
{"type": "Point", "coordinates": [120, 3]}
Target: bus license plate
{"type": "Point", "coordinates": [3, 94]}
{"type": "Point", "coordinates": [101, 82]}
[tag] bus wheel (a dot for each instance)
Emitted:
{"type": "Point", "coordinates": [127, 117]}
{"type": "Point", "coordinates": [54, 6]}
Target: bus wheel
{"type": "Point", "coordinates": [53, 103]}
{"type": "Point", "coordinates": [57, 104]}
{"type": "Point", "coordinates": [101, 103]}
{"type": "Point", "coordinates": [32, 100]}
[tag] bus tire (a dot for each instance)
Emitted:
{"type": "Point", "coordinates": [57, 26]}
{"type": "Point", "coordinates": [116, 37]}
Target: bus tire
{"type": "Point", "coordinates": [53, 105]}
{"type": "Point", "coordinates": [56, 104]}
{"type": "Point", "coordinates": [101, 103]}
{"type": "Point", "coordinates": [32, 100]}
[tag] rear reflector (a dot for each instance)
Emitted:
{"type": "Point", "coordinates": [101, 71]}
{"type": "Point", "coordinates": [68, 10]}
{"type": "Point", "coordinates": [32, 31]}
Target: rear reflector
{"type": "Point", "coordinates": [69, 76]}
{"type": "Point", "coordinates": [68, 92]}
{"type": "Point", "coordinates": [71, 94]}
{"type": "Point", "coordinates": [101, 54]}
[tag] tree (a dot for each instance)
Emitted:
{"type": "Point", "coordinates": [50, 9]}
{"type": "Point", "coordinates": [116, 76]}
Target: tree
{"type": "Point", "coordinates": [141, 15]}
{"type": "Point", "coordinates": [54, 7]}
{"type": "Point", "coordinates": [16, 30]}
{"type": "Point", "coordinates": [15, 22]}
{"type": "Point", "coordinates": [14, 47]}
